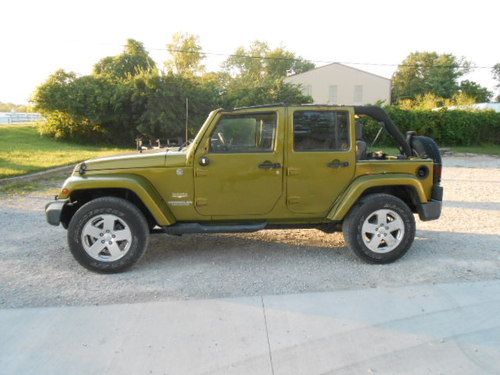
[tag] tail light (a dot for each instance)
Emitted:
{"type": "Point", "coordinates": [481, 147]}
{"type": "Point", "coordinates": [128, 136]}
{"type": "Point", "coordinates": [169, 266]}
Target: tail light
{"type": "Point", "coordinates": [436, 173]}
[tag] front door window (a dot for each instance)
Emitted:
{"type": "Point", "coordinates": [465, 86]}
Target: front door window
{"type": "Point", "coordinates": [246, 133]}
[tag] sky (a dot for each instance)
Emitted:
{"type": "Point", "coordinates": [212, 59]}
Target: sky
{"type": "Point", "coordinates": [39, 37]}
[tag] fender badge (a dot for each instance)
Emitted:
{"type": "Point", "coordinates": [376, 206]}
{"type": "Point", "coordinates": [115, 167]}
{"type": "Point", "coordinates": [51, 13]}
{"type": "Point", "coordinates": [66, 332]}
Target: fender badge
{"type": "Point", "coordinates": [179, 171]}
{"type": "Point", "coordinates": [180, 203]}
{"type": "Point", "coordinates": [179, 195]}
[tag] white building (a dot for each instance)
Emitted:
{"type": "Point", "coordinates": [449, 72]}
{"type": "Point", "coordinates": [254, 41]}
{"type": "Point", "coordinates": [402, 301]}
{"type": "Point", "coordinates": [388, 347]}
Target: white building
{"type": "Point", "coordinates": [341, 84]}
{"type": "Point", "coordinates": [16, 117]}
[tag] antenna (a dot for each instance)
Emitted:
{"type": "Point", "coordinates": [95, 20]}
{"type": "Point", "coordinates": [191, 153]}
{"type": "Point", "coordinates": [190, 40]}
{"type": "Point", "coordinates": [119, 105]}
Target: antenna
{"type": "Point", "coordinates": [187, 117]}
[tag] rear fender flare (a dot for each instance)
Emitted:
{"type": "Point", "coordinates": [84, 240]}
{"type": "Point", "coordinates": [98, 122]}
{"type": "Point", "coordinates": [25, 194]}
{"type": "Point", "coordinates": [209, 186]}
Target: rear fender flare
{"type": "Point", "coordinates": [352, 194]}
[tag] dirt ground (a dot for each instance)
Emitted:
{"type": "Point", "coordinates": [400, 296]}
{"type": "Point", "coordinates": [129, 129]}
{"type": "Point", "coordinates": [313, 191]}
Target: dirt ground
{"type": "Point", "coordinates": [37, 269]}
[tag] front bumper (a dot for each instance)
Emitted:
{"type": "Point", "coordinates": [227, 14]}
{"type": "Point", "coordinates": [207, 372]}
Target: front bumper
{"type": "Point", "coordinates": [432, 210]}
{"type": "Point", "coordinates": [53, 211]}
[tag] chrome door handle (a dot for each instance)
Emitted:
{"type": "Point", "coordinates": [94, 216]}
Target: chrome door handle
{"type": "Point", "coordinates": [269, 165]}
{"type": "Point", "coordinates": [338, 164]}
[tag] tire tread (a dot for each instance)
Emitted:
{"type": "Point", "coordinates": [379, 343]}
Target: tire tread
{"type": "Point", "coordinates": [135, 219]}
{"type": "Point", "coordinates": [355, 218]}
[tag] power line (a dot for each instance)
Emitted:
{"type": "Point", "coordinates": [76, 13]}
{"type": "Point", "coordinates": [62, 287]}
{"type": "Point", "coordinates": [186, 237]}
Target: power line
{"type": "Point", "coordinates": [256, 57]}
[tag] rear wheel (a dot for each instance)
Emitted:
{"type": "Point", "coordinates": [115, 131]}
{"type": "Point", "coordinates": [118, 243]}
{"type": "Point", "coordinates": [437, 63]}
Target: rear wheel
{"type": "Point", "coordinates": [108, 234]}
{"type": "Point", "coordinates": [380, 228]}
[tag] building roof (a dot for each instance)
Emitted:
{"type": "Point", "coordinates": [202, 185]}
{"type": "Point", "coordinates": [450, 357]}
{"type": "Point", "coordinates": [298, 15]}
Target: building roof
{"type": "Point", "coordinates": [336, 63]}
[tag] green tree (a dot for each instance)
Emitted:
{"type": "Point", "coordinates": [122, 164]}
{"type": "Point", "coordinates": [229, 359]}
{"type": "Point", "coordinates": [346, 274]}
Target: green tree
{"type": "Point", "coordinates": [496, 73]}
{"type": "Point", "coordinates": [473, 90]}
{"type": "Point", "coordinates": [248, 64]}
{"type": "Point", "coordinates": [258, 63]}
{"type": "Point", "coordinates": [186, 55]}
{"type": "Point", "coordinates": [428, 72]}
{"type": "Point", "coordinates": [126, 97]}
{"type": "Point", "coordinates": [254, 75]}
{"type": "Point", "coordinates": [271, 91]}
{"type": "Point", "coordinates": [54, 94]}
{"type": "Point", "coordinates": [496, 76]}
{"type": "Point", "coordinates": [133, 60]}
{"type": "Point", "coordinates": [160, 101]}
{"type": "Point", "coordinates": [281, 63]}
{"type": "Point", "coordinates": [89, 107]}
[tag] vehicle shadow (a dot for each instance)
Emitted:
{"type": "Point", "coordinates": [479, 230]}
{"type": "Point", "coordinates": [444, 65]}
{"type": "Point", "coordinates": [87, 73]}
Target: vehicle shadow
{"type": "Point", "coordinates": [291, 243]}
{"type": "Point", "coordinates": [268, 263]}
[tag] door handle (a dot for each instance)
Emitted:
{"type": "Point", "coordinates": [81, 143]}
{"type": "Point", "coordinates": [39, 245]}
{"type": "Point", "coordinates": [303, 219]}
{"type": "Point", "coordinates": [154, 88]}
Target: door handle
{"type": "Point", "coordinates": [269, 165]}
{"type": "Point", "coordinates": [338, 164]}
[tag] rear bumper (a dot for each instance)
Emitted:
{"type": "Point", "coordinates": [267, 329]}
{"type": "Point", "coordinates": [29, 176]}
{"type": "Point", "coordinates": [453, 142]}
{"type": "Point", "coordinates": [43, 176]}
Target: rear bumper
{"type": "Point", "coordinates": [53, 211]}
{"type": "Point", "coordinates": [432, 210]}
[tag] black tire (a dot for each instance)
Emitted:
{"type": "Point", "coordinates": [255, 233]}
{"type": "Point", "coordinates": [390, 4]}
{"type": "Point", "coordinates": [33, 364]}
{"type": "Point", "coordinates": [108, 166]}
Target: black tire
{"type": "Point", "coordinates": [365, 208]}
{"type": "Point", "coordinates": [125, 211]}
{"type": "Point", "coordinates": [426, 147]}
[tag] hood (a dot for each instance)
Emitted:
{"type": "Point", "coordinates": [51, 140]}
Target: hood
{"type": "Point", "coordinates": [175, 158]}
{"type": "Point", "coordinates": [148, 159]}
{"type": "Point", "coordinates": [136, 160]}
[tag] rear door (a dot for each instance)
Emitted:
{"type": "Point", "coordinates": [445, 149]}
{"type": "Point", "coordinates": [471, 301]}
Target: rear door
{"type": "Point", "coordinates": [320, 157]}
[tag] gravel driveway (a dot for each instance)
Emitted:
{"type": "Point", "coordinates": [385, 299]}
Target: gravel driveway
{"type": "Point", "coordinates": [37, 269]}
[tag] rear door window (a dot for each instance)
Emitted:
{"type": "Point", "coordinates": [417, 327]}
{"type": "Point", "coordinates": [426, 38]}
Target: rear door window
{"type": "Point", "coordinates": [321, 131]}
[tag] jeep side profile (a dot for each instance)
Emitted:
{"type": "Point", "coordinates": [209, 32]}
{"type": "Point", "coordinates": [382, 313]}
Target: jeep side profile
{"type": "Point", "coordinates": [273, 166]}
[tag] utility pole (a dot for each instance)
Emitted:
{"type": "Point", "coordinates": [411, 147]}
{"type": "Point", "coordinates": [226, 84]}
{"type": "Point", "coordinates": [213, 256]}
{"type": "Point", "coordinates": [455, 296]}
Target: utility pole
{"type": "Point", "coordinates": [187, 117]}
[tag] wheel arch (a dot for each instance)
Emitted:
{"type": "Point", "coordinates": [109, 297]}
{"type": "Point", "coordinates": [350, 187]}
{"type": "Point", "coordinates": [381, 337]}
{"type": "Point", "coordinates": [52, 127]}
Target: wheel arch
{"type": "Point", "coordinates": [405, 187]}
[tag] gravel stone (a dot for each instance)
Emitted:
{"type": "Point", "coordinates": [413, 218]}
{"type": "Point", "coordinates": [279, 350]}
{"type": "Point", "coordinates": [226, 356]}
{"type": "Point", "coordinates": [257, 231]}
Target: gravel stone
{"type": "Point", "coordinates": [37, 269]}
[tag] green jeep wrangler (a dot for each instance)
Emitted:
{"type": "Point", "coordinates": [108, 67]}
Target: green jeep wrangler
{"type": "Point", "coordinates": [248, 169]}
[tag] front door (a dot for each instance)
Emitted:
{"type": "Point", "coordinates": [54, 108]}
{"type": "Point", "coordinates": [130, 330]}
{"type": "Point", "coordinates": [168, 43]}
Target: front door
{"type": "Point", "coordinates": [321, 158]}
{"type": "Point", "coordinates": [241, 171]}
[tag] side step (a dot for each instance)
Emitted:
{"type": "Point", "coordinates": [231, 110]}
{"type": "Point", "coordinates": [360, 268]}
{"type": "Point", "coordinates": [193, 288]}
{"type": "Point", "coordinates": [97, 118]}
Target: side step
{"type": "Point", "coordinates": [190, 228]}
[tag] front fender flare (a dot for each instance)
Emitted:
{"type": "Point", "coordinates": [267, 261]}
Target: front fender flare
{"type": "Point", "coordinates": [137, 184]}
{"type": "Point", "coordinates": [351, 195]}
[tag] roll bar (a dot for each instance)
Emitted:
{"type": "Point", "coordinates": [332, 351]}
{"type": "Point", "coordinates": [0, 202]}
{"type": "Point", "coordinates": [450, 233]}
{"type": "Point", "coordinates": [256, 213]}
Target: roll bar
{"type": "Point", "coordinates": [380, 115]}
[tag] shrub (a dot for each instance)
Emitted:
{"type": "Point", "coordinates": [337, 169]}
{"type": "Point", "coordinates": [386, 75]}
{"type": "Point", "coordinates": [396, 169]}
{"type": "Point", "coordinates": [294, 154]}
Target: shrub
{"type": "Point", "coordinates": [448, 128]}
{"type": "Point", "coordinates": [60, 125]}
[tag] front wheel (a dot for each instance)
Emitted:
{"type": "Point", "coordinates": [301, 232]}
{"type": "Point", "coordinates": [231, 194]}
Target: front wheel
{"type": "Point", "coordinates": [108, 234]}
{"type": "Point", "coordinates": [380, 228]}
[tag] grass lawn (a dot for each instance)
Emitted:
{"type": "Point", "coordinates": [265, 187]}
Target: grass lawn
{"type": "Point", "coordinates": [23, 150]}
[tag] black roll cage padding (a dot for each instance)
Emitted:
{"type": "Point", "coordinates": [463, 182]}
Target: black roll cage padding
{"type": "Point", "coordinates": [380, 115]}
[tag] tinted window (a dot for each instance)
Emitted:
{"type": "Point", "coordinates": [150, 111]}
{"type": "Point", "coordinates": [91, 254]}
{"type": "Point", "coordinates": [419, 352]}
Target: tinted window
{"type": "Point", "coordinates": [244, 133]}
{"type": "Point", "coordinates": [321, 130]}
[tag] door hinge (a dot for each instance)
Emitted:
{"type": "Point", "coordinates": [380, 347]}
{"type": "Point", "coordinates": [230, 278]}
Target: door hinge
{"type": "Point", "coordinates": [201, 172]}
{"type": "Point", "coordinates": [201, 202]}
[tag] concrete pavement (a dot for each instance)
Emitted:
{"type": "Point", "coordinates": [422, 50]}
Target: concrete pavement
{"type": "Point", "coordinates": [442, 328]}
